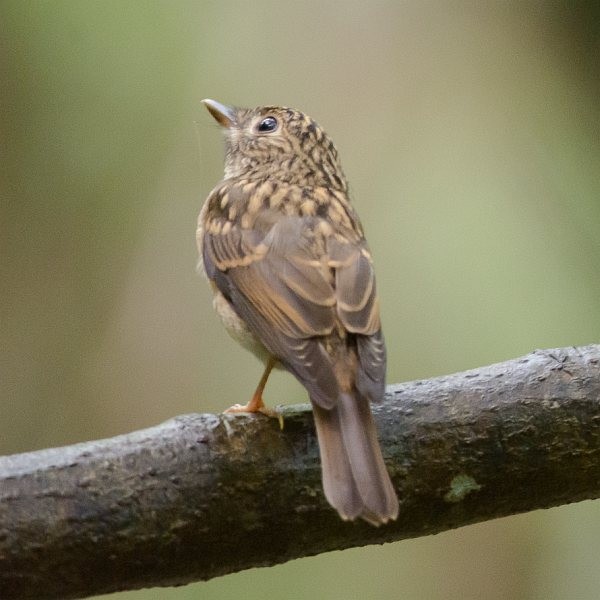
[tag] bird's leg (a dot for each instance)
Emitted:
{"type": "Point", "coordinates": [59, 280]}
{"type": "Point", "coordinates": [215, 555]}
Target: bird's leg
{"type": "Point", "coordinates": [256, 403]}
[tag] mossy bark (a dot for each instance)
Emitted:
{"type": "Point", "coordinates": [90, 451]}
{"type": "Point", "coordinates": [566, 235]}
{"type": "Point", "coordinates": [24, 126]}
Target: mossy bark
{"type": "Point", "coordinates": [205, 495]}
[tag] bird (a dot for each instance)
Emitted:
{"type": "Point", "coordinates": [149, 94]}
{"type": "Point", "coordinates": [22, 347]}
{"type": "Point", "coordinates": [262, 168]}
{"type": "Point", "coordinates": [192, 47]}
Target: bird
{"type": "Point", "coordinates": [293, 281]}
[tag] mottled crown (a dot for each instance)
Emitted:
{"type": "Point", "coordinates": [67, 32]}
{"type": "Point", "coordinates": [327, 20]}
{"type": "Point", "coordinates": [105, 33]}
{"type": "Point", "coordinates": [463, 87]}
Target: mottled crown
{"type": "Point", "coordinates": [278, 143]}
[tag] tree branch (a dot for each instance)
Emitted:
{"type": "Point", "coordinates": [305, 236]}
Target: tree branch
{"type": "Point", "coordinates": [202, 495]}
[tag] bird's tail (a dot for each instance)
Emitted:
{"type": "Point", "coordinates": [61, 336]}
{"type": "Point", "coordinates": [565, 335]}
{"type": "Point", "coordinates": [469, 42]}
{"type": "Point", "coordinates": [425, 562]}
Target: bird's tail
{"type": "Point", "coordinates": [355, 479]}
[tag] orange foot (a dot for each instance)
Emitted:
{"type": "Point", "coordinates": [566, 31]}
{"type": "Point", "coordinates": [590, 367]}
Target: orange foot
{"type": "Point", "coordinates": [251, 407]}
{"type": "Point", "coordinates": [256, 404]}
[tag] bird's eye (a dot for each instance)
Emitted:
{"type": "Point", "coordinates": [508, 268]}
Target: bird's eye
{"type": "Point", "coordinates": [267, 125]}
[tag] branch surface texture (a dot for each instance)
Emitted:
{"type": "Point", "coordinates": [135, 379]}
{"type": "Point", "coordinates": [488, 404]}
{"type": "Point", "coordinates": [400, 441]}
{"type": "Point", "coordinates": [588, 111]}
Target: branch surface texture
{"type": "Point", "coordinates": [203, 495]}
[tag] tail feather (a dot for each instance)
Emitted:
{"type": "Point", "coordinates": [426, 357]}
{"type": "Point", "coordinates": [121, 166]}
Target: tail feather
{"type": "Point", "coordinates": [338, 482]}
{"type": "Point", "coordinates": [355, 479]}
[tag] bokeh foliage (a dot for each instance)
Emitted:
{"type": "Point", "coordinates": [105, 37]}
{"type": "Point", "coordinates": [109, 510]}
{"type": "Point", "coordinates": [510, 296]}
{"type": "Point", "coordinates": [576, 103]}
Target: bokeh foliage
{"type": "Point", "coordinates": [470, 133]}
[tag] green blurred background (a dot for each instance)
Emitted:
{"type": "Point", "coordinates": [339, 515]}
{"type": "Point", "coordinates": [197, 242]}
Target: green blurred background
{"type": "Point", "coordinates": [470, 134]}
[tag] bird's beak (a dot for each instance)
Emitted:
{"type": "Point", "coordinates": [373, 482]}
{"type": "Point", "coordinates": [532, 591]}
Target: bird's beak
{"type": "Point", "coordinates": [223, 114]}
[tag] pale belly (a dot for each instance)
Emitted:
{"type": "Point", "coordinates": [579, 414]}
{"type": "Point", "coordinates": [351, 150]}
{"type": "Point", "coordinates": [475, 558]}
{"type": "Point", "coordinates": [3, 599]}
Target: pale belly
{"type": "Point", "coordinates": [237, 328]}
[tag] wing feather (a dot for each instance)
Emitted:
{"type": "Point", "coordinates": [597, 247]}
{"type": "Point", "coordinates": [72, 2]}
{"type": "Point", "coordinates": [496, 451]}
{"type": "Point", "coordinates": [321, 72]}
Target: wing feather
{"type": "Point", "coordinates": [291, 284]}
{"type": "Point", "coordinates": [282, 293]}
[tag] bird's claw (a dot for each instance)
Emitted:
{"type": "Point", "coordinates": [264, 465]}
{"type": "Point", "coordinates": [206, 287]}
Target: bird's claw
{"type": "Point", "coordinates": [249, 408]}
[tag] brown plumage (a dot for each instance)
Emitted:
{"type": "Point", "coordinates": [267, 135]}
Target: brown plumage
{"type": "Point", "coordinates": [293, 280]}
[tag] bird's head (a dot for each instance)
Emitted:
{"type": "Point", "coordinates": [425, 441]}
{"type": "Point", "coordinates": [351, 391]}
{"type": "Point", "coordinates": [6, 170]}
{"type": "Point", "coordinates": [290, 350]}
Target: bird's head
{"type": "Point", "coordinates": [277, 143]}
